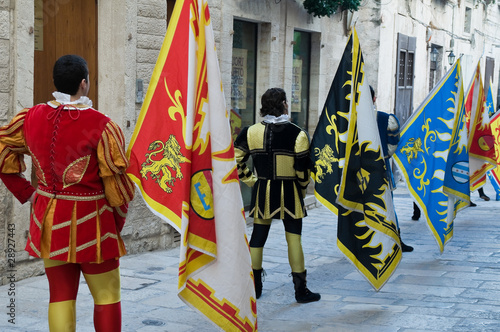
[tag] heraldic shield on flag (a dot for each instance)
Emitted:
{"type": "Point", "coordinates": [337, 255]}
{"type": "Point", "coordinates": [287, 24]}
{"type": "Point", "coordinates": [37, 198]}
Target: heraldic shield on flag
{"type": "Point", "coordinates": [350, 175]}
{"type": "Point", "coordinates": [182, 160]}
{"type": "Point", "coordinates": [494, 174]}
{"type": "Point", "coordinates": [481, 141]}
{"type": "Point", "coordinates": [432, 154]}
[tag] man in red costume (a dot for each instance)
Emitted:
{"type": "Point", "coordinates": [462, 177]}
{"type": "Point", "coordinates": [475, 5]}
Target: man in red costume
{"type": "Point", "coordinates": [81, 199]}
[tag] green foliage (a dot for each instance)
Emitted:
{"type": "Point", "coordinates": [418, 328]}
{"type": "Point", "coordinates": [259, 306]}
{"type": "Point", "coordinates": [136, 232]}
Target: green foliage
{"type": "Point", "coordinates": [328, 7]}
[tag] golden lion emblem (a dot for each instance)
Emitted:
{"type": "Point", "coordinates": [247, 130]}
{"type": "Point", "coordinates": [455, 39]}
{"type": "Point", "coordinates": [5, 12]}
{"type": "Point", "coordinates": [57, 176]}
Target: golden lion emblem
{"type": "Point", "coordinates": [412, 150]}
{"type": "Point", "coordinates": [325, 160]}
{"type": "Point", "coordinates": [161, 170]}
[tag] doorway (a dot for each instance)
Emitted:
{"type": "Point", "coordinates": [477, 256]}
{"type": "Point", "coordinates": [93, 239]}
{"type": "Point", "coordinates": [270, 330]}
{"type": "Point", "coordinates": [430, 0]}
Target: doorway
{"type": "Point", "coordinates": [64, 27]}
{"type": "Point", "coordinates": [404, 77]}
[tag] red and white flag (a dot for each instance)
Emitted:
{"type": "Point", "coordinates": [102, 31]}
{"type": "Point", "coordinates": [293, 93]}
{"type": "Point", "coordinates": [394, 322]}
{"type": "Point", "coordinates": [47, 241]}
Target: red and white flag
{"type": "Point", "coordinates": [182, 160]}
{"type": "Point", "coordinates": [481, 141]}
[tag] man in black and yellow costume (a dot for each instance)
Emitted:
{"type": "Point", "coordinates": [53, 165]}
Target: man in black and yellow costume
{"type": "Point", "coordinates": [280, 153]}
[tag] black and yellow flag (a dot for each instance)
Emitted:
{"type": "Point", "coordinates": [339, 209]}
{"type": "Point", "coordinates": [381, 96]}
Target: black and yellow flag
{"type": "Point", "coordinates": [350, 175]}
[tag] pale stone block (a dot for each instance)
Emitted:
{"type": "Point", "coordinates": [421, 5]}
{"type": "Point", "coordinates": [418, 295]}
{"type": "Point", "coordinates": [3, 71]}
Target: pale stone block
{"type": "Point", "coordinates": [4, 116]}
{"type": "Point", "coordinates": [152, 11]}
{"type": "Point", "coordinates": [6, 208]}
{"type": "Point", "coordinates": [149, 41]}
{"type": "Point", "coordinates": [144, 71]}
{"type": "Point", "coordinates": [142, 245]}
{"type": "Point", "coordinates": [151, 26]}
{"type": "Point", "coordinates": [5, 4]}
{"type": "Point", "coordinates": [4, 24]}
{"type": "Point", "coordinates": [4, 79]}
{"type": "Point", "coordinates": [215, 4]}
{"type": "Point", "coordinates": [153, 3]}
{"type": "Point", "coordinates": [215, 19]}
{"type": "Point", "coordinates": [148, 228]}
{"type": "Point", "coordinates": [147, 56]}
{"type": "Point", "coordinates": [4, 52]}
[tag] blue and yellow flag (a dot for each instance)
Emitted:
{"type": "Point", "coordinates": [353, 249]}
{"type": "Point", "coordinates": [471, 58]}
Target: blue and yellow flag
{"type": "Point", "coordinates": [456, 179]}
{"type": "Point", "coordinates": [495, 182]}
{"type": "Point", "coordinates": [350, 175]}
{"type": "Point", "coordinates": [432, 153]}
{"type": "Point", "coordinates": [490, 104]}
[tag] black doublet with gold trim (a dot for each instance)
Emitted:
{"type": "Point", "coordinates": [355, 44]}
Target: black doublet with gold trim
{"type": "Point", "coordinates": [280, 153]}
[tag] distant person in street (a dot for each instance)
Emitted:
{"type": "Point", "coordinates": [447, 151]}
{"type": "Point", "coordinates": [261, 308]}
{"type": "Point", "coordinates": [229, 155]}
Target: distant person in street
{"type": "Point", "coordinates": [416, 212]}
{"type": "Point", "coordinates": [482, 195]}
{"type": "Point", "coordinates": [81, 199]}
{"type": "Point", "coordinates": [280, 153]}
{"type": "Point", "coordinates": [388, 128]}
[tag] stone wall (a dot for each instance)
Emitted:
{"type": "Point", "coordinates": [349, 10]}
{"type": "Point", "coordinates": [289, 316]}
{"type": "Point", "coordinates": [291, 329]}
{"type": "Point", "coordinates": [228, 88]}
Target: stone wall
{"type": "Point", "coordinates": [143, 230]}
{"type": "Point", "coordinates": [432, 23]}
{"type": "Point", "coordinates": [15, 91]}
{"type": "Point", "coordinates": [129, 41]}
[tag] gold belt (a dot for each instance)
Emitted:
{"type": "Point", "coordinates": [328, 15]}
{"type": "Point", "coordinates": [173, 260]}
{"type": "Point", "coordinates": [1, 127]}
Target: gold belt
{"type": "Point", "coordinates": [71, 197]}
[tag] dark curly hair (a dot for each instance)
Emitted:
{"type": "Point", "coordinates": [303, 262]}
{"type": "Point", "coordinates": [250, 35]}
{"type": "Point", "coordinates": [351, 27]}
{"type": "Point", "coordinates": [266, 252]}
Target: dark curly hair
{"type": "Point", "coordinates": [69, 70]}
{"type": "Point", "coordinates": [272, 102]}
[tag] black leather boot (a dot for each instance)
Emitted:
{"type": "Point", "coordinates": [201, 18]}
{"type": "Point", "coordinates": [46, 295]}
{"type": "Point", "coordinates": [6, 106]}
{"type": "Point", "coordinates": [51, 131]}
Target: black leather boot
{"type": "Point", "coordinates": [404, 247]}
{"type": "Point", "coordinates": [257, 277]}
{"type": "Point", "coordinates": [416, 212]}
{"type": "Point", "coordinates": [302, 293]}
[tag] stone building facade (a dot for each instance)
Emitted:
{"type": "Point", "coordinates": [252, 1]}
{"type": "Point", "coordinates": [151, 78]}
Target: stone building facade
{"type": "Point", "coordinates": [261, 44]}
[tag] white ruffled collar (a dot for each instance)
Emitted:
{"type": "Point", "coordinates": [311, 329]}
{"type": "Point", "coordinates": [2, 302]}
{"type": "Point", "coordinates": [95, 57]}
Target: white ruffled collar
{"type": "Point", "coordinates": [65, 99]}
{"type": "Point", "coordinates": [276, 119]}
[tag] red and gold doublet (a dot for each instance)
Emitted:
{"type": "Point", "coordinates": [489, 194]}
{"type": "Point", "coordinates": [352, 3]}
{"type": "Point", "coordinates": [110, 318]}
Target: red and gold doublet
{"type": "Point", "coordinates": [83, 191]}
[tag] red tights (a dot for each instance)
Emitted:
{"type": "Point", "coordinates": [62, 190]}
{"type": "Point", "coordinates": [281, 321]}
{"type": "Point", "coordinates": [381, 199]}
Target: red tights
{"type": "Point", "coordinates": [103, 281]}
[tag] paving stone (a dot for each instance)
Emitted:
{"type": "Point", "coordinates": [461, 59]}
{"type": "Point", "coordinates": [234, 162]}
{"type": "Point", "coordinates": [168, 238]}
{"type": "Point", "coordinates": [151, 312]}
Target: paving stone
{"type": "Point", "coordinates": [457, 290]}
{"type": "Point", "coordinates": [473, 324]}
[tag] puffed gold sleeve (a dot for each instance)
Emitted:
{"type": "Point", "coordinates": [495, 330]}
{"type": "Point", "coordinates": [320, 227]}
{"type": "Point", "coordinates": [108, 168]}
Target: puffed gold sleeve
{"type": "Point", "coordinates": [113, 163]}
{"type": "Point", "coordinates": [12, 150]}
{"type": "Point", "coordinates": [12, 145]}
